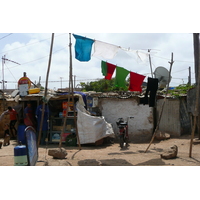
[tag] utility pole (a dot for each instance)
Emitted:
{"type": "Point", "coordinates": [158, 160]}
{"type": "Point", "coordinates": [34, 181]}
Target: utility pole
{"type": "Point", "coordinates": [3, 81]}
{"type": "Point", "coordinates": [189, 77]}
{"type": "Point", "coordinates": [61, 82]}
{"type": "Point", "coordinates": [74, 81]}
{"type": "Point", "coordinates": [197, 87]}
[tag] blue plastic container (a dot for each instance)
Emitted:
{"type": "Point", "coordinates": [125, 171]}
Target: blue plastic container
{"type": "Point", "coordinates": [20, 156]}
{"type": "Point", "coordinates": [21, 133]}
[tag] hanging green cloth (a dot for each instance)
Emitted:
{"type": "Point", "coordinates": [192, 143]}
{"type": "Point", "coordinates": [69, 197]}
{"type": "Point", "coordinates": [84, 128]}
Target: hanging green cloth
{"type": "Point", "coordinates": [107, 69]}
{"type": "Point", "coordinates": [120, 77]}
{"type": "Point", "coordinates": [104, 68]}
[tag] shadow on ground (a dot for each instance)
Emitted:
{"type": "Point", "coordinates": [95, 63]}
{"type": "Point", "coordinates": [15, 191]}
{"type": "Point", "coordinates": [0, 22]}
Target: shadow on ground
{"type": "Point", "coordinates": [152, 162]}
{"type": "Point", "coordinates": [106, 162]}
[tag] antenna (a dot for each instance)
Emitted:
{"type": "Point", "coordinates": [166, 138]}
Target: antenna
{"type": "Point", "coordinates": [3, 62]}
{"type": "Point", "coordinates": [162, 74]}
{"type": "Point", "coordinates": [3, 86]}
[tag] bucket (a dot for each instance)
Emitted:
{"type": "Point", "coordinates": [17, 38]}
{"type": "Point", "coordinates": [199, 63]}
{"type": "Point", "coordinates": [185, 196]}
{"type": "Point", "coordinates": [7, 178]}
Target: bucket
{"type": "Point", "coordinates": [34, 90]}
{"type": "Point", "coordinates": [21, 134]}
{"type": "Point", "coordinates": [20, 156]}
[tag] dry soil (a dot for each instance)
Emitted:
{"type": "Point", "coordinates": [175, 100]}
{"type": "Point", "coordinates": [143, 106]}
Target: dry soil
{"type": "Point", "coordinates": [112, 155]}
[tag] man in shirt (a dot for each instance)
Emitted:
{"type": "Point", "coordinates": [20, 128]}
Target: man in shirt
{"type": "Point", "coordinates": [29, 116]}
{"type": "Point", "coordinates": [13, 119]}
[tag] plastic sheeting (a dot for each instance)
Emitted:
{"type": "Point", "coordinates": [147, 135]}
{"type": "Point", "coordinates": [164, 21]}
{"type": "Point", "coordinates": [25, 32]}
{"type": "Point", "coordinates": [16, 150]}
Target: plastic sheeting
{"type": "Point", "coordinates": [91, 128]}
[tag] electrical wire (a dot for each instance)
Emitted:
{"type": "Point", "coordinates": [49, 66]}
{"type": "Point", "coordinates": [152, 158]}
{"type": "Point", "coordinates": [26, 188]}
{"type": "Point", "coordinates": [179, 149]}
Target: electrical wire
{"type": "Point", "coordinates": [30, 44]}
{"type": "Point", "coordinates": [10, 72]}
{"type": "Point", "coordinates": [38, 58]}
{"type": "Point", "coordinates": [6, 36]}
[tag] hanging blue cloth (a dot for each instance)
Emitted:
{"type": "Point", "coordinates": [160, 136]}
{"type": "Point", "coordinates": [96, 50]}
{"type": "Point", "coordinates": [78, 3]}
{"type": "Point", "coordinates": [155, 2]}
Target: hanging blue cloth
{"type": "Point", "coordinates": [83, 48]}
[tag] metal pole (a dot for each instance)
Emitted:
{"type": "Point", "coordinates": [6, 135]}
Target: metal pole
{"type": "Point", "coordinates": [61, 82]}
{"type": "Point", "coordinates": [3, 62]}
{"type": "Point", "coordinates": [3, 81]}
{"type": "Point", "coordinates": [189, 78]}
{"type": "Point", "coordinates": [75, 81]}
{"type": "Point", "coordinates": [150, 63]}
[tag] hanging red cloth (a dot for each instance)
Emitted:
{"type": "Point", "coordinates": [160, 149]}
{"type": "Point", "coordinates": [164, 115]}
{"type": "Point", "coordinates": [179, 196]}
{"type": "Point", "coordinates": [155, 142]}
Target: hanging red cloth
{"type": "Point", "coordinates": [136, 81]}
{"type": "Point", "coordinates": [110, 71]}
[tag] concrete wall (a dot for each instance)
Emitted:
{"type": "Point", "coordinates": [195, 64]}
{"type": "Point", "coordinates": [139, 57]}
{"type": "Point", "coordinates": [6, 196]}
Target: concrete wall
{"type": "Point", "coordinates": [175, 119]}
{"type": "Point", "coordinates": [140, 128]}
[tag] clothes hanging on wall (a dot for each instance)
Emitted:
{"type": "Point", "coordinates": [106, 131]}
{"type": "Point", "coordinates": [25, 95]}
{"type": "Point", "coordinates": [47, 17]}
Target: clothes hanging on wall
{"type": "Point", "coordinates": [83, 48]}
{"type": "Point", "coordinates": [152, 87]}
{"type": "Point", "coordinates": [120, 77]}
{"type": "Point", "coordinates": [136, 81]}
{"type": "Point", "coordinates": [107, 69]}
{"type": "Point", "coordinates": [105, 50]}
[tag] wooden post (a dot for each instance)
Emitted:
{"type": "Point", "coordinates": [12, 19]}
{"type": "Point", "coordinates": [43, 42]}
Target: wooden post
{"type": "Point", "coordinates": [171, 63]}
{"type": "Point", "coordinates": [197, 75]}
{"type": "Point", "coordinates": [71, 93]}
{"type": "Point", "coordinates": [45, 92]}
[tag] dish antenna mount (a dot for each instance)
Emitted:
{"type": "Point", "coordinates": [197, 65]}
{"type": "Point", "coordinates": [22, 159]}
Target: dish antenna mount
{"type": "Point", "coordinates": [162, 74]}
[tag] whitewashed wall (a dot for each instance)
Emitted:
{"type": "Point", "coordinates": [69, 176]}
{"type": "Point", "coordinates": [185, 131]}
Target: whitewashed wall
{"type": "Point", "coordinates": [140, 128]}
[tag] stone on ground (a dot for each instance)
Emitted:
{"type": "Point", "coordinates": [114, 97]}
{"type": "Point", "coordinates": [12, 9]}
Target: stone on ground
{"type": "Point", "coordinates": [60, 153]}
{"type": "Point", "coordinates": [170, 153]}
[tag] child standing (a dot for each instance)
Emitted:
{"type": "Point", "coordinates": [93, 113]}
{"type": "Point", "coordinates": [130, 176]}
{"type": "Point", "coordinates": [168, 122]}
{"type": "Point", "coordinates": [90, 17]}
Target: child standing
{"type": "Point", "coordinates": [6, 135]}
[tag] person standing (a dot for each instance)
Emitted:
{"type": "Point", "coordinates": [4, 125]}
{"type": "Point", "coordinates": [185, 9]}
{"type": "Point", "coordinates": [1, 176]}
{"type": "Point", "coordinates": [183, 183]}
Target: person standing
{"type": "Point", "coordinates": [29, 116]}
{"type": "Point", "coordinates": [6, 135]}
{"type": "Point", "coordinates": [45, 125]}
{"type": "Point", "coordinates": [13, 119]}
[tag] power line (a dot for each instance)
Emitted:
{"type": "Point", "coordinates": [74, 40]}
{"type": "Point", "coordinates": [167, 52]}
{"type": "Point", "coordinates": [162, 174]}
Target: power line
{"type": "Point", "coordinates": [6, 36]}
{"type": "Point", "coordinates": [38, 58]}
{"type": "Point", "coordinates": [10, 72]}
{"type": "Point", "coordinates": [29, 44]}
{"type": "Point", "coordinates": [59, 80]}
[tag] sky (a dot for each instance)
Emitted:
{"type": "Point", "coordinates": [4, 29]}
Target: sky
{"type": "Point", "coordinates": [162, 26]}
{"type": "Point", "coordinates": [31, 52]}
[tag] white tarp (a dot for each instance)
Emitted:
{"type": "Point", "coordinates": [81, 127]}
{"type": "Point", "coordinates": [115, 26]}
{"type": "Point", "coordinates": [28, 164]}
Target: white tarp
{"type": "Point", "coordinates": [91, 128]}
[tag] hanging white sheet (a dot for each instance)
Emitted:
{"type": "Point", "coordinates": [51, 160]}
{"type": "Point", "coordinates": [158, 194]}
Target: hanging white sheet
{"type": "Point", "coordinates": [91, 128]}
{"type": "Point", "coordinates": [105, 50]}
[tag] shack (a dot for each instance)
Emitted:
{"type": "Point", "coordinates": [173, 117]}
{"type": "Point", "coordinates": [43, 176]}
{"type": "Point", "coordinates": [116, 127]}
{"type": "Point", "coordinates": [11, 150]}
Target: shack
{"type": "Point", "coordinates": [91, 130]}
{"type": "Point", "coordinates": [109, 107]}
{"type": "Point", "coordinates": [114, 105]}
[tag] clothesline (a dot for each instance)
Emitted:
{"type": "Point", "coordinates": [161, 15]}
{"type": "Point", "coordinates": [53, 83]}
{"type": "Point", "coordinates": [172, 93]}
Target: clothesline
{"type": "Point", "coordinates": [83, 49]}
{"type": "Point", "coordinates": [118, 65]}
{"type": "Point", "coordinates": [140, 54]}
{"type": "Point", "coordinates": [135, 82]}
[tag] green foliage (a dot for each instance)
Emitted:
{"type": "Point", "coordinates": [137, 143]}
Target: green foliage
{"type": "Point", "coordinates": [102, 85]}
{"type": "Point", "coordinates": [180, 90]}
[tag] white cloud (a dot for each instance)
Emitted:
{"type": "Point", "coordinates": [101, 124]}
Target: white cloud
{"type": "Point", "coordinates": [32, 52]}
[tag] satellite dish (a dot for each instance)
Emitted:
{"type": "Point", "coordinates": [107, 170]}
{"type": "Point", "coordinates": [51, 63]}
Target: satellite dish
{"type": "Point", "coordinates": [162, 74]}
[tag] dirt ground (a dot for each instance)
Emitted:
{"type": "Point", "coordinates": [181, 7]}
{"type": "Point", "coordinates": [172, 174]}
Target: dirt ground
{"type": "Point", "coordinates": [112, 155]}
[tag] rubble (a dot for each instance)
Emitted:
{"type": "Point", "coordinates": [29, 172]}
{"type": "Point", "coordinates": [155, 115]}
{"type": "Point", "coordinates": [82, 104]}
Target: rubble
{"type": "Point", "coordinates": [161, 135]}
{"type": "Point", "coordinates": [60, 153]}
{"type": "Point", "coordinates": [171, 153]}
